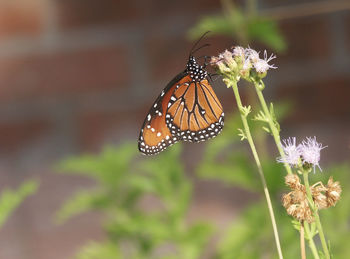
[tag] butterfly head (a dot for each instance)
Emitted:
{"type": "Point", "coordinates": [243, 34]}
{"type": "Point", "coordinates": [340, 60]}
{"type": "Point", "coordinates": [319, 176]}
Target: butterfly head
{"type": "Point", "coordinates": [195, 70]}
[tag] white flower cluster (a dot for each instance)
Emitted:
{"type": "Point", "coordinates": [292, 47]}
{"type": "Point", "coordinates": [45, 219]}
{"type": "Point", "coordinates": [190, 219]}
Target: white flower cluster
{"type": "Point", "coordinates": [252, 56]}
{"type": "Point", "coordinates": [308, 151]}
{"type": "Point", "coordinates": [241, 61]}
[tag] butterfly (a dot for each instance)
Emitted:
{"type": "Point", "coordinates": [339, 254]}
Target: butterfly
{"type": "Point", "coordinates": [187, 109]}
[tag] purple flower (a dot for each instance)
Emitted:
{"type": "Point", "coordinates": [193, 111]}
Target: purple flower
{"type": "Point", "coordinates": [252, 54]}
{"type": "Point", "coordinates": [291, 151]}
{"type": "Point", "coordinates": [239, 51]}
{"type": "Point", "coordinates": [262, 65]}
{"type": "Point", "coordinates": [310, 151]}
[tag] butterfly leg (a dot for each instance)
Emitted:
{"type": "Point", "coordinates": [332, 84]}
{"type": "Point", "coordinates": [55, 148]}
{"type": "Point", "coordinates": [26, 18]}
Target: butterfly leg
{"type": "Point", "coordinates": [212, 75]}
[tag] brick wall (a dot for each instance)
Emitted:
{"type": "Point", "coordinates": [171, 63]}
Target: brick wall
{"type": "Point", "coordinates": [75, 75]}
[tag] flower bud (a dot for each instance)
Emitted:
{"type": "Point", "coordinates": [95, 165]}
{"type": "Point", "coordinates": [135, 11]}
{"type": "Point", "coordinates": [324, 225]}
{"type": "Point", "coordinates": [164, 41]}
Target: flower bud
{"type": "Point", "coordinates": [229, 61]}
{"type": "Point", "coordinates": [239, 54]}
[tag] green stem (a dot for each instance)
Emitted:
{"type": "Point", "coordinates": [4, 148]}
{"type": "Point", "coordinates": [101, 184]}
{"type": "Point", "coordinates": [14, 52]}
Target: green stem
{"type": "Point", "coordinates": [275, 132]}
{"type": "Point", "coordinates": [302, 241]}
{"type": "Point", "coordinates": [257, 161]}
{"type": "Point", "coordinates": [311, 241]}
{"type": "Point", "coordinates": [259, 87]}
{"type": "Point", "coordinates": [315, 214]}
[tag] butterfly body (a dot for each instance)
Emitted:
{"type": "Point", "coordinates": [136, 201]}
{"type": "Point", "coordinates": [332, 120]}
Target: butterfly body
{"type": "Point", "coordinates": [187, 109]}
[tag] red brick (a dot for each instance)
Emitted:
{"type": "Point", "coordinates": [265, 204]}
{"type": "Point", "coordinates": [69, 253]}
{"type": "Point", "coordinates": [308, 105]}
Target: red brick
{"type": "Point", "coordinates": [168, 56]}
{"type": "Point", "coordinates": [319, 101]}
{"type": "Point", "coordinates": [195, 7]}
{"type": "Point", "coordinates": [307, 38]}
{"type": "Point", "coordinates": [14, 135]}
{"type": "Point", "coordinates": [347, 30]}
{"type": "Point", "coordinates": [273, 3]}
{"type": "Point", "coordinates": [66, 73]}
{"type": "Point", "coordinates": [98, 128]}
{"type": "Point", "coordinates": [82, 13]}
{"type": "Point", "coordinates": [21, 17]}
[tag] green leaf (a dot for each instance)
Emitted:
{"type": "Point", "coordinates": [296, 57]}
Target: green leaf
{"type": "Point", "coordinates": [266, 31]}
{"type": "Point", "coordinates": [274, 118]}
{"type": "Point", "coordinates": [244, 28]}
{"type": "Point", "coordinates": [95, 250]}
{"type": "Point", "coordinates": [243, 237]}
{"type": "Point", "coordinates": [296, 224]}
{"type": "Point", "coordinates": [11, 199]}
{"type": "Point", "coordinates": [235, 170]}
{"type": "Point", "coordinates": [245, 110]}
{"type": "Point", "coordinates": [242, 134]}
{"type": "Point", "coordinates": [109, 167]}
{"type": "Point", "coordinates": [82, 201]}
{"type": "Point", "coordinates": [266, 129]}
{"type": "Point", "coordinates": [260, 117]}
{"type": "Point", "coordinates": [194, 240]}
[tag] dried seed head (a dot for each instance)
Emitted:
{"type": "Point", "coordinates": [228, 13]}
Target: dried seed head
{"type": "Point", "coordinates": [292, 210]}
{"type": "Point", "coordinates": [333, 192]}
{"type": "Point", "coordinates": [301, 211]}
{"type": "Point", "coordinates": [286, 200]}
{"type": "Point", "coordinates": [307, 213]}
{"type": "Point", "coordinates": [299, 195]}
{"type": "Point", "coordinates": [292, 180]}
{"type": "Point", "coordinates": [319, 198]}
{"type": "Point", "coordinates": [296, 204]}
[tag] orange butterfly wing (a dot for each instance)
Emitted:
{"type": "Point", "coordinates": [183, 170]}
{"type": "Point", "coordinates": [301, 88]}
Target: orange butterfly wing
{"type": "Point", "coordinates": [187, 109]}
{"type": "Point", "coordinates": [155, 136]}
{"type": "Point", "coordinates": [194, 112]}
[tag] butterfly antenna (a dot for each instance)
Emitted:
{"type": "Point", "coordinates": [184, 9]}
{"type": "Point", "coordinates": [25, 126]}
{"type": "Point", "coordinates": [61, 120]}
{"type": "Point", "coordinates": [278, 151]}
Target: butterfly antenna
{"type": "Point", "coordinates": [194, 51]}
{"type": "Point", "coordinates": [195, 45]}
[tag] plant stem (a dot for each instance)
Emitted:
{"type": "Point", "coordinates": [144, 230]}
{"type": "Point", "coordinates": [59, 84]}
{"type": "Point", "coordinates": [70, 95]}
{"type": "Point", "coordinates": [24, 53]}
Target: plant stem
{"type": "Point", "coordinates": [274, 131]}
{"type": "Point", "coordinates": [311, 241]}
{"type": "Point", "coordinates": [257, 161]}
{"type": "Point", "coordinates": [302, 242]}
{"type": "Point", "coordinates": [251, 7]}
{"type": "Point", "coordinates": [259, 86]}
{"type": "Point", "coordinates": [315, 214]}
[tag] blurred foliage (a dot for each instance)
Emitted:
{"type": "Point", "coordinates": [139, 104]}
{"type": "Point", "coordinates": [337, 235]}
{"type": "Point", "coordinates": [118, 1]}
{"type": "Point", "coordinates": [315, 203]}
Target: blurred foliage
{"type": "Point", "coordinates": [94, 250]}
{"type": "Point", "coordinates": [127, 185]}
{"type": "Point", "coordinates": [244, 27]}
{"type": "Point", "coordinates": [250, 236]}
{"type": "Point", "coordinates": [123, 185]}
{"type": "Point", "coordinates": [225, 155]}
{"type": "Point", "coordinates": [11, 199]}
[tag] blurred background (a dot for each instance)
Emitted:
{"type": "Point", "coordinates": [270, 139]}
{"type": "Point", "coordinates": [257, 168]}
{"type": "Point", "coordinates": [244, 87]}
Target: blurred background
{"type": "Point", "coordinates": [81, 74]}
